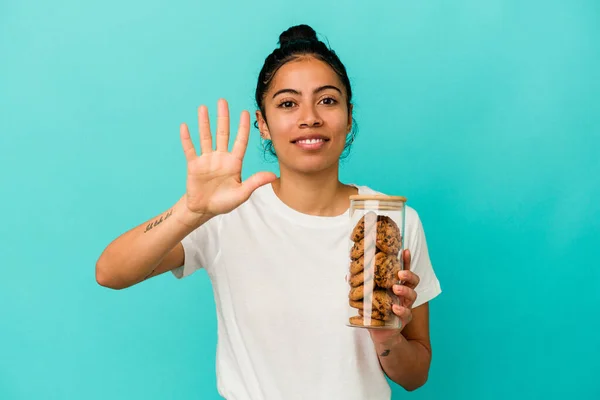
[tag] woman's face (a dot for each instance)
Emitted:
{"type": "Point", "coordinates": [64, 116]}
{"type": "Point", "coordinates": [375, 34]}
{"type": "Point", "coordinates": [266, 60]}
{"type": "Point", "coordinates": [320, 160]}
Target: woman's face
{"type": "Point", "coordinates": [307, 116]}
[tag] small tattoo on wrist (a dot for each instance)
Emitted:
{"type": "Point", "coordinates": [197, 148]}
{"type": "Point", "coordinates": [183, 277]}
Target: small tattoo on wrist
{"type": "Point", "coordinates": [385, 353]}
{"type": "Point", "coordinates": [158, 221]}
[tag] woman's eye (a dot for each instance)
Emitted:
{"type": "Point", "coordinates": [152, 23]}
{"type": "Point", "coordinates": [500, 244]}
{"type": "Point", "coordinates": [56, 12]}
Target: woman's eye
{"type": "Point", "coordinates": [329, 101]}
{"type": "Point", "coordinates": [286, 104]}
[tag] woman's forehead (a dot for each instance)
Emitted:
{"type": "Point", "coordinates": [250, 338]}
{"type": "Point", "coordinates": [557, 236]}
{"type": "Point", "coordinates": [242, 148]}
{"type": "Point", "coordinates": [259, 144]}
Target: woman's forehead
{"type": "Point", "coordinates": [306, 73]}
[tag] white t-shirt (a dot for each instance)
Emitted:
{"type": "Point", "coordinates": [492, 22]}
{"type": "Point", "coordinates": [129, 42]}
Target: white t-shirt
{"type": "Point", "coordinates": [279, 281]}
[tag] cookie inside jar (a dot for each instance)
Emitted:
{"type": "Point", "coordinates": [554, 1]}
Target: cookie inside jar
{"type": "Point", "coordinates": [376, 243]}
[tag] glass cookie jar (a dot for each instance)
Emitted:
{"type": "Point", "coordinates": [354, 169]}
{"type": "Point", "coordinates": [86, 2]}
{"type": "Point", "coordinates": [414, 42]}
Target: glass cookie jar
{"type": "Point", "coordinates": [376, 243]}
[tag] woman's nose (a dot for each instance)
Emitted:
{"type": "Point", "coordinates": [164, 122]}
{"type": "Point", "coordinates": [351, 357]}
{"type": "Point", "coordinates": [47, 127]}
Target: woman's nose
{"type": "Point", "coordinates": [310, 118]}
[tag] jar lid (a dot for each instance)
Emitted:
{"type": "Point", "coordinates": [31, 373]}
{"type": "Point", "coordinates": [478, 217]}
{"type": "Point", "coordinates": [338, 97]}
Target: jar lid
{"type": "Point", "coordinates": [381, 197]}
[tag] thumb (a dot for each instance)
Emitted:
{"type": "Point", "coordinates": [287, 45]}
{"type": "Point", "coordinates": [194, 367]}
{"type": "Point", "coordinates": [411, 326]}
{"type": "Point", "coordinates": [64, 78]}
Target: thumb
{"type": "Point", "coordinates": [257, 180]}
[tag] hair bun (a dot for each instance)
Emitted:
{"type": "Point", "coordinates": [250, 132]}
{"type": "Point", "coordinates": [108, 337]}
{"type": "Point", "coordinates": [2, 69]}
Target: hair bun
{"type": "Point", "coordinates": [298, 33]}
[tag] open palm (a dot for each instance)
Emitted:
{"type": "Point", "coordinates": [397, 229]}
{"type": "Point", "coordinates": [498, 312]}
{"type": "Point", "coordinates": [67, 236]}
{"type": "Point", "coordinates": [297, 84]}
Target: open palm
{"type": "Point", "coordinates": [214, 184]}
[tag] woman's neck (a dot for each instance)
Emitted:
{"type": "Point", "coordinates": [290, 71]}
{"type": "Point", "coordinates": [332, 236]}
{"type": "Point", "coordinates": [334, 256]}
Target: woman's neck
{"type": "Point", "coordinates": [320, 194]}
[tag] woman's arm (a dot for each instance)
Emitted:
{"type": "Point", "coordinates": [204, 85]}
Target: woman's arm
{"type": "Point", "coordinates": [147, 250]}
{"type": "Point", "coordinates": [405, 357]}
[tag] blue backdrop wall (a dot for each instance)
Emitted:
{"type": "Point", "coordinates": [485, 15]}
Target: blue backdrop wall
{"type": "Point", "coordinates": [486, 115]}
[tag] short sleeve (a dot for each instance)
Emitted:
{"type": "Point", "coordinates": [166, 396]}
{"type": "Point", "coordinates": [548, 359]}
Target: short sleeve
{"type": "Point", "coordinates": [429, 286]}
{"type": "Point", "coordinates": [200, 248]}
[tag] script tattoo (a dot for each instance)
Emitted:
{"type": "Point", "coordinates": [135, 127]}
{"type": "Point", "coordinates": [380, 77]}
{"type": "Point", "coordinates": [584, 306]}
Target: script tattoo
{"type": "Point", "coordinates": [158, 221]}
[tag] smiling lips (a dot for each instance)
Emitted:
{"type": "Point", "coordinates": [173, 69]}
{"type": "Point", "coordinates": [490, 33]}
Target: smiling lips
{"type": "Point", "coordinates": [310, 142]}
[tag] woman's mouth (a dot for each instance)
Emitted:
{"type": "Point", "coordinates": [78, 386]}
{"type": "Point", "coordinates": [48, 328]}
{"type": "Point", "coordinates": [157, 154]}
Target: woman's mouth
{"type": "Point", "coordinates": [310, 143]}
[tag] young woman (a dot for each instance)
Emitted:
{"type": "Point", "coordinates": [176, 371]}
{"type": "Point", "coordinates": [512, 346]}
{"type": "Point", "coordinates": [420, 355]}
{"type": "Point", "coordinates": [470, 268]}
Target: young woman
{"type": "Point", "coordinates": [275, 248]}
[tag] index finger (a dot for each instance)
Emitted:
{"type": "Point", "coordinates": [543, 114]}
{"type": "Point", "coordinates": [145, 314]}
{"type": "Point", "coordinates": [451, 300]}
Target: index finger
{"type": "Point", "coordinates": [406, 258]}
{"type": "Point", "coordinates": [186, 142]}
{"type": "Point", "coordinates": [241, 140]}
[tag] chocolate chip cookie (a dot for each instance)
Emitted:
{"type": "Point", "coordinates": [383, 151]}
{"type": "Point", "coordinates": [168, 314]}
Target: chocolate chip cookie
{"type": "Point", "coordinates": [358, 249]}
{"type": "Point", "coordinates": [357, 293]}
{"type": "Point", "coordinates": [358, 264]}
{"type": "Point", "coordinates": [382, 301]}
{"type": "Point", "coordinates": [368, 220]}
{"type": "Point", "coordinates": [359, 304]}
{"type": "Point", "coordinates": [360, 278]}
{"type": "Point", "coordinates": [388, 236]}
{"type": "Point", "coordinates": [377, 315]}
{"type": "Point", "coordinates": [366, 245]}
{"type": "Point", "coordinates": [360, 321]}
{"type": "Point", "coordinates": [386, 270]}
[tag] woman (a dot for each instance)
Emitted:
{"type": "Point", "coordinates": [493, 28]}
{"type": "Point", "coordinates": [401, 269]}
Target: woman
{"type": "Point", "coordinates": [275, 248]}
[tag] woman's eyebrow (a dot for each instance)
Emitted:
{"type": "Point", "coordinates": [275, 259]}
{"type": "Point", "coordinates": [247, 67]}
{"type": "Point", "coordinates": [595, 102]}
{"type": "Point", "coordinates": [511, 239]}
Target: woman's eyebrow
{"type": "Point", "coordinates": [317, 90]}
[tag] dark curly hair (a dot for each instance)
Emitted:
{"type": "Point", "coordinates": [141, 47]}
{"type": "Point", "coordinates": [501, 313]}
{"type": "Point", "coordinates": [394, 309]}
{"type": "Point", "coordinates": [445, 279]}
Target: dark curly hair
{"type": "Point", "coordinates": [295, 42]}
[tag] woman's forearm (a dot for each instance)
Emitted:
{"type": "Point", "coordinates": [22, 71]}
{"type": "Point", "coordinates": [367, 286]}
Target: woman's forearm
{"type": "Point", "coordinates": [405, 362]}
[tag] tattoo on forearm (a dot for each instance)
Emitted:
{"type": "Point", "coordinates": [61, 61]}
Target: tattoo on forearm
{"type": "Point", "coordinates": [158, 221]}
{"type": "Point", "coordinates": [385, 353]}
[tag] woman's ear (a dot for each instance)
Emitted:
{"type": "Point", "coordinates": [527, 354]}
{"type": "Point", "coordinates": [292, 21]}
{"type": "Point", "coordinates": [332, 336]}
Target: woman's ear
{"type": "Point", "coordinates": [350, 118]}
{"type": "Point", "coordinates": [262, 126]}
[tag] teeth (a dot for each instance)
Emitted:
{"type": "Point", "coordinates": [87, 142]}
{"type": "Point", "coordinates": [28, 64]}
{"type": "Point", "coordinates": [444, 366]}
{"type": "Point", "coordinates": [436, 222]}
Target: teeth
{"type": "Point", "coordinates": [310, 141]}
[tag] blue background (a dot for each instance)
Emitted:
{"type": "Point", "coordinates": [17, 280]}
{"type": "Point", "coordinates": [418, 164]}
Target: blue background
{"type": "Point", "coordinates": [486, 115]}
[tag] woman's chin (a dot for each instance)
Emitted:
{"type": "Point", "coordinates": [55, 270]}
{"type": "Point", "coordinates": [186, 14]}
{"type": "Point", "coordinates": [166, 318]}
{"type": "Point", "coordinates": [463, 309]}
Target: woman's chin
{"type": "Point", "coordinates": [313, 166]}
